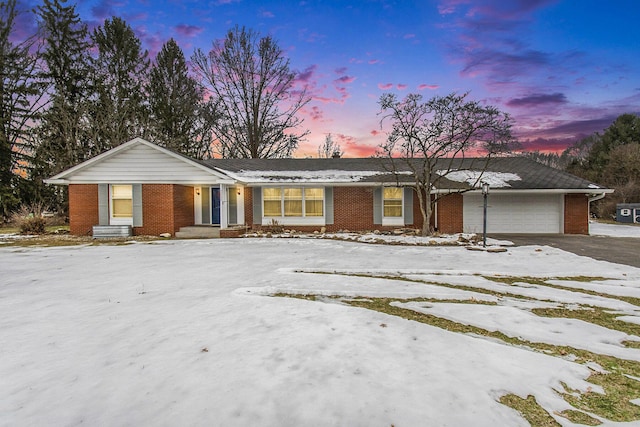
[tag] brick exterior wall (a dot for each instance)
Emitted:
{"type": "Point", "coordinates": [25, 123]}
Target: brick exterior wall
{"type": "Point", "coordinates": [165, 208]}
{"type": "Point", "coordinates": [352, 209]}
{"type": "Point", "coordinates": [183, 207]}
{"type": "Point", "coordinates": [83, 208]}
{"type": "Point", "coordinates": [248, 207]}
{"type": "Point", "coordinates": [576, 214]}
{"type": "Point", "coordinates": [450, 214]}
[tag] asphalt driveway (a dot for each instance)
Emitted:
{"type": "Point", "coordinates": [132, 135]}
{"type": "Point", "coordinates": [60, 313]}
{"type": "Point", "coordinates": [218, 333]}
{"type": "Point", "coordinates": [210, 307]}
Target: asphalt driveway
{"type": "Point", "coordinates": [621, 250]}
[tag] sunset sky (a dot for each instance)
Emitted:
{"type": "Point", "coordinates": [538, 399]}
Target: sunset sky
{"type": "Point", "coordinates": [562, 69]}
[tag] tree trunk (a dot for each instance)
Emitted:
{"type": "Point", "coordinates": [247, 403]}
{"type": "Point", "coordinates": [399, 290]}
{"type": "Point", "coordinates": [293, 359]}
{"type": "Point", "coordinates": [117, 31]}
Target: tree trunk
{"type": "Point", "coordinates": [424, 200]}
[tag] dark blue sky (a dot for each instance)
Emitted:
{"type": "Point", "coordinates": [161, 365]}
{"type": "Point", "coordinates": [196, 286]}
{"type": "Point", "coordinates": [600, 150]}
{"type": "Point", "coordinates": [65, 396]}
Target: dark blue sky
{"type": "Point", "coordinates": [563, 69]}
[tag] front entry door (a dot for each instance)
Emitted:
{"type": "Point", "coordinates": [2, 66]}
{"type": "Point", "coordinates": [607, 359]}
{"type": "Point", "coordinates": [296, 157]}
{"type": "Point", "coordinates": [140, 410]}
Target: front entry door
{"type": "Point", "coordinates": [215, 206]}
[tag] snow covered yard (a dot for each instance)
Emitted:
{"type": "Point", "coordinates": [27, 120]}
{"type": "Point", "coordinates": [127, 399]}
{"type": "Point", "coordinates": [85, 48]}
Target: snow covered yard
{"type": "Point", "coordinates": [190, 333]}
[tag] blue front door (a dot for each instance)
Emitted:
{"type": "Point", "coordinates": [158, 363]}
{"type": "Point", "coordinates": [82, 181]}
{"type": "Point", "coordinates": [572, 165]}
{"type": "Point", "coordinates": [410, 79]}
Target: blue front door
{"type": "Point", "coordinates": [215, 206]}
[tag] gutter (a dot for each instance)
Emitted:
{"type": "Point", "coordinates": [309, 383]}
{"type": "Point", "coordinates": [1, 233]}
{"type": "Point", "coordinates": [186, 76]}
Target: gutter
{"type": "Point", "coordinates": [599, 196]}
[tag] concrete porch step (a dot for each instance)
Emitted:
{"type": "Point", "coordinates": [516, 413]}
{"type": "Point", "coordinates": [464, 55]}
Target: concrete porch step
{"type": "Point", "coordinates": [109, 231]}
{"type": "Point", "coordinates": [198, 232]}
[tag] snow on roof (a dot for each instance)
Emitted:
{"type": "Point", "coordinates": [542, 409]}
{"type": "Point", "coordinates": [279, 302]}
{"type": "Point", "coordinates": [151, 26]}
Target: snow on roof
{"type": "Point", "coordinates": [301, 176]}
{"type": "Point", "coordinates": [473, 177]}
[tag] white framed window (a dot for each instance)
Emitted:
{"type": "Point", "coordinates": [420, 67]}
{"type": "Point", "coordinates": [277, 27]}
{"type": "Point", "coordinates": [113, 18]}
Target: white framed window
{"type": "Point", "coordinates": [293, 202]}
{"type": "Point", "coordinates": [121, 204]}
{"type": "Point", "coordinates": [293, 205]}
{"type": "Point", "coordinates": [392, 202]}
{"type": "Point", "coordinates": [272, 201]}
{"type": "Point", "coordinates": [314, 201]}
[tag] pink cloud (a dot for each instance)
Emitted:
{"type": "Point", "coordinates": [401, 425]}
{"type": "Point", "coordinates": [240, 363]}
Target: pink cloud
{"type": "Point", "coordinates": [447, 7]}
{"type": "Point", "coordinates": [374, 61]}
{"type": "Point", "coordinates": [345, 79]}
{"type": "Point", "coordinates": [375, 132]}
{"type": "Point", "coordinates": [426, 86]}
{"type": "Point", "coordinates": [341, 70]}
{"type": "Point", "coordinates": [188, 30]}
{"type": "Point", "coordinates": [316, 113]}
{"type": "Point", "coordinates": [385, 86]}
{"type": "Point", "coordinates": [326, 99]}
{"type": "Point", "coordinates": [401, 86]}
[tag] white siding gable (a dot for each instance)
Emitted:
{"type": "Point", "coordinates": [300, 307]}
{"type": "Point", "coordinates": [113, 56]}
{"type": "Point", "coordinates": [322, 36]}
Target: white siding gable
{"type": "Point", "coordinates": [142, 163]}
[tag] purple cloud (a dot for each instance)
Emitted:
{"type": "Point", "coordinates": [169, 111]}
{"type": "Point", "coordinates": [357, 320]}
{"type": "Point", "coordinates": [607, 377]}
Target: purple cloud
{"type": "Point", "coordinates": [503, 66]}
{"type": "Point", "coordinates": [426, 86]}
{"type": "Point", "coordinates": [106, 9]}
{"type": "Point", "coordinates": [188, 30]}
{"type": "Point", "coordinates": [267, 14]}
{"type": "Point", "coordinates": [385, 86]}
{"type": "Point", "coordinates": [582, 127]}
{"type": "Point", "coordinates": [306, 75]}
{"type": "Point", "coordinates": [537, 99]}
{"type": "Point", "coordinates": [341, 70]}
{"type": "Point", "coordinates": [25, 24]}
{"type": "Point", "coordinates": [344, 80]}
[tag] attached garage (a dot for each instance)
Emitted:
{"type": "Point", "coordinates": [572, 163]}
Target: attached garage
{"type": "Point", "coordinates": [514, 213]}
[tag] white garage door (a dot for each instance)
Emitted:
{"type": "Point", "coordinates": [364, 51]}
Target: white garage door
{"type": "Point", "coordinates": [514, 213]}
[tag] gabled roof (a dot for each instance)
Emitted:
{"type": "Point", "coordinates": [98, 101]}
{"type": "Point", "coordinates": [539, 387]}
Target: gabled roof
{"type": "Point", "coordinates": [139, 160]}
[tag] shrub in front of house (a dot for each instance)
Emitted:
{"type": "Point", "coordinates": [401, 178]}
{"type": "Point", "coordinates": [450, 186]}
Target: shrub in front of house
{"type": "Point", "coordinates": [29, 219]}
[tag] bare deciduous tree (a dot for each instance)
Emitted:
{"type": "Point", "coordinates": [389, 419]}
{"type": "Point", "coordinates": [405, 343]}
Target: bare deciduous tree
{"type": "Point", "coordinates": [251, 85]}
{"type": "Point", "coordinates": [329, 149]}
{"type": "Point", "coordinates": [430, 138]}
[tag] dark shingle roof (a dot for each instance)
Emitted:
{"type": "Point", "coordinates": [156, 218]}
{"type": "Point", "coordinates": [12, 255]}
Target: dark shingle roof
{"type": "Point", "coordinates": [532, 175]}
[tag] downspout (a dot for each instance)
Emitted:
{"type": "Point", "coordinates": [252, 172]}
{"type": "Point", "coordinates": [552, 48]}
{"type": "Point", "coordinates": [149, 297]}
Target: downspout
{"type": "Point", "coordinates": [593, 198]}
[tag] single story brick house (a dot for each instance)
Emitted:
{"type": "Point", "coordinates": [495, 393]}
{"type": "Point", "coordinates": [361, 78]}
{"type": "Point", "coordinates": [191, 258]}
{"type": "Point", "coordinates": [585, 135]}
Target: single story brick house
{"type": "Point", "coordinates": [154, 190]}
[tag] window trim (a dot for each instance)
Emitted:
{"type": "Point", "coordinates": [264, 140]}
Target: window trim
{"type": "Point", "coordinates": [119, 220]}
{"type": "Point", "coordinates": [304, 219]}
{"type": "Point", "coordinates": [393, 220]}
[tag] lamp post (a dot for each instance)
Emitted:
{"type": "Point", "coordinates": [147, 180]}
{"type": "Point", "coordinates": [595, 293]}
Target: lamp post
{"type": "Point", "coordinates": [485, 193]}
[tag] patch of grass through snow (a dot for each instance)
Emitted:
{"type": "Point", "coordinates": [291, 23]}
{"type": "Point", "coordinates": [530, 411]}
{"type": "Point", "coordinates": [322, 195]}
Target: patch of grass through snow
{"type": "Point", "coordinates": [594, 315]}
{"type": "Point", "coordinates": [579, 417]}
{"type": "Point", "coordinates": [542, 281]}
{"type": "Point", "coordinates": [619, 388]}
{"type": "Point", "coordinates": [530, 410]}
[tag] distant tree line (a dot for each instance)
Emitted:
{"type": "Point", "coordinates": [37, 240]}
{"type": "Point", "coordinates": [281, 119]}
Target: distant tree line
{"type": "Point", "coordinates": [68, 94]}
{"type": "Point", "coordinates": [611, 159]}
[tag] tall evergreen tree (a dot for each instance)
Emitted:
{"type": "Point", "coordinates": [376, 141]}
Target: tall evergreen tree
{"type": "Point", "coordinates": [120, 73]}
{"type": "Point", "coordinates": [62, 133]}
{"type": "Point", "coordinates": [176, 105]}
{"type": "Point", "coordinates": [18, 101]}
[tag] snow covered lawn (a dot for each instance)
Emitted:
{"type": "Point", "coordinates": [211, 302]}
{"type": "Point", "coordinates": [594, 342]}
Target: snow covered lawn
{"type": "Point", "coordinates": [188, 332]}
{"type": "Point", "coordinates": [613, 230]}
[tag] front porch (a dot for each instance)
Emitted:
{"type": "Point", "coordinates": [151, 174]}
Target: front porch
{"type": "Point", "coordinates": [198, 232]}
{"type": "Point", "coordinates": [209, 232]}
